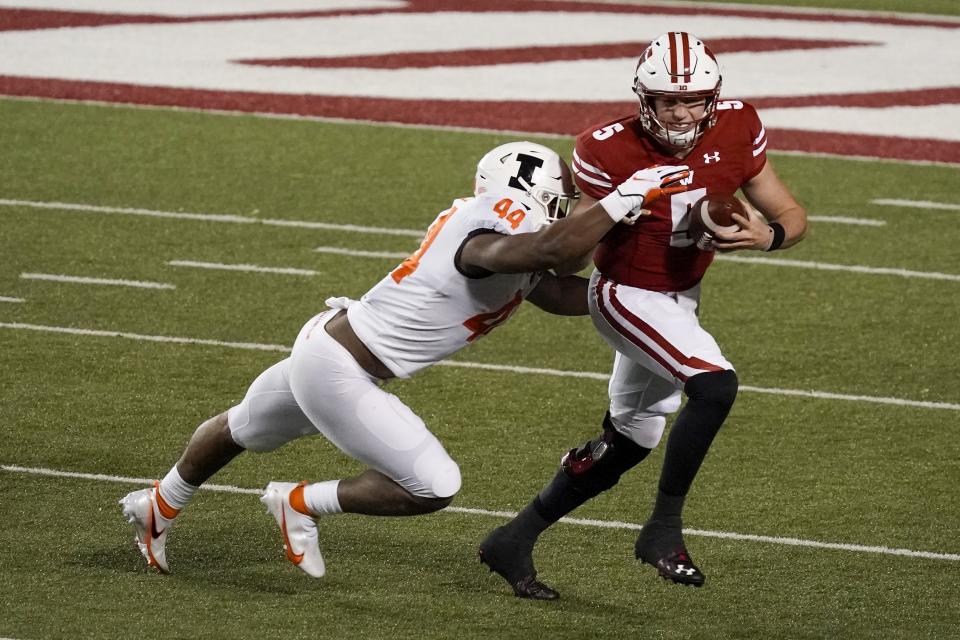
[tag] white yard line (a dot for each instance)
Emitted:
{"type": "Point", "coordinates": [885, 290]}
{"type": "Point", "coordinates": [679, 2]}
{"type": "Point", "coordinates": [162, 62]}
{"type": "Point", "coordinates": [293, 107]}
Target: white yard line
{"type": "Point", "coordinates": [9, 299]}
{"type": "Point", "coordinates": [590, 375]}
{"type": "Point", "coordinates": [604, 524]}
{"type": "Point", "coordinates": [54, 277]}
{"type": "Point", "coordinates": [243, 267]}
{"type": "Point", "coordinates": [866, 222]}
{"type": "Point", "coordinates": [853, 268]}
{"type": "Point", "coordinates": [779, 262]}
{"type": "Point", "coordinates": [207, 217]}
{"type": "Point", "coordinates": [801, 264]}
{"type": "Point", "coordinates": [362, 254]}
{"type": "Point", "coordinates": [250, 346]}
{"type": "Point", "coordinates": [916, 204]}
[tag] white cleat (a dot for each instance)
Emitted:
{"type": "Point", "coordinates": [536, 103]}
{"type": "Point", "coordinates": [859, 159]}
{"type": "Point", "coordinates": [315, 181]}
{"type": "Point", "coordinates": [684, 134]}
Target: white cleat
{"type": "Point", "coordinates": [299, 529]}
{"type": "Point", "coordinates": [150, 526]}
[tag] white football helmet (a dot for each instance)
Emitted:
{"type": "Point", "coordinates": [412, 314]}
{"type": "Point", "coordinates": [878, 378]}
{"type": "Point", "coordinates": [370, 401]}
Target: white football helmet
{"type": "Point", "coordinates": [677, 65]}
{"type": "Point", "coordinates": [539, 177]}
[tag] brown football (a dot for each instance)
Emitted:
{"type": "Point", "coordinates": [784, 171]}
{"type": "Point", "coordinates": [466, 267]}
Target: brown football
{"type": "Point", "coordinates": [710, 214]}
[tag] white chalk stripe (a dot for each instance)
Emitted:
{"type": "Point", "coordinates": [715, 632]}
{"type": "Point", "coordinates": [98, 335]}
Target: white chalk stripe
{"type": "Point", "coordinates": [54, 277]}
{"type": "Point", "coordinates": [867, 222]}
{"type": "Point", "coordinates": [904, 273]}
{"type": "Point", "coordinates": [604, 524]}
{"type": "Point", "coordinates": [9, 299]}
{"type": "Point", "coordinates": [208, 217]}
{"type": "Point", "coordinates": [825, 266]}
{"type": "Point", "coordinates": [145, 338]}
{"type": "Point", "coordinates": [534, 370]}
{"type": "Point", "coordinates": [825, 395]}
{"type": "Point", "coordinates": [400, 232]}
{"type": "Point", "coordinates": [363, 254]}
{"type": "Point", "coordinates": [916, 204]}
{"type": "Point", "coordinates": [243, 267]}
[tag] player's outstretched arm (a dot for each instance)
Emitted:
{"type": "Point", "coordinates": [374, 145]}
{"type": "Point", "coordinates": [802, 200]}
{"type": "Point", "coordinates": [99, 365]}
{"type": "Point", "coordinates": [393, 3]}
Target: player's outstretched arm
{"type": "Point", "coordinates": [567, 239]}
{"type": "Point", "coordinates": [552, 245]}
{"type": "Point", "coordinates": [563, 296]}
{"type": "Point", "coordinates": [578, 264]}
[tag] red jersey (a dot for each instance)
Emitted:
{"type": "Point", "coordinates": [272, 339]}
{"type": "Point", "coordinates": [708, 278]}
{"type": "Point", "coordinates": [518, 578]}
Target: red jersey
{"type": "Point", "coordinates": [655, 252]}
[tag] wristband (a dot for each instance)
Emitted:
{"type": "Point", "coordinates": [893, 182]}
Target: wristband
{"type": "Point", "coordinates": [778, 236]}
{"type": "Point", "coordinates": [616, 205]}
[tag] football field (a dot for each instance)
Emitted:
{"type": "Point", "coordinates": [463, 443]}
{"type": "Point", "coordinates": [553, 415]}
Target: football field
{"type": "Point", "coordinates": [153, 261]}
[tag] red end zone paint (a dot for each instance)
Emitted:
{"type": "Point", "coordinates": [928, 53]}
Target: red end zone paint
{"type": "Point", "coordinates": [547, 117]}
{"type": "Point", "coordinates": [477, 57]}
{"type": "Point", "coordinates": [567, 118]}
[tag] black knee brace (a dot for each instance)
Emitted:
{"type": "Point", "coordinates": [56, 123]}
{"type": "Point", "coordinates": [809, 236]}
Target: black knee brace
{"type": "Point", "coordinates": [598, 464]}
{"type": "Point", "coordinates": [718, 388]}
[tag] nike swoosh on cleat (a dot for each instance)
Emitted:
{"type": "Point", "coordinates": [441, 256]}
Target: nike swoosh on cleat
{"type": "Point", "coordinates": [295, 558]}
{"type": "Point", "coordinates": [153, 528]}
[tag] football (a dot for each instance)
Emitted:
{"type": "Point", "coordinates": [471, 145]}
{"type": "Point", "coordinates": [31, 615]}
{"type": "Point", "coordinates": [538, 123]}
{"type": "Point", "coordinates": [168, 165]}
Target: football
{"type": "Point", "coordinates": [710, 214]}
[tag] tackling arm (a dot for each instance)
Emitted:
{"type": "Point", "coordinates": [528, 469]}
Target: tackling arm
{"type": "Point", "coordinates": [578, 263]}
{"type": "Point", "coordinates": [567, 240]}
{"type": "Point", "coordinates": [555, 244]}
{"type": "Point", "coordinates": [563, 296]}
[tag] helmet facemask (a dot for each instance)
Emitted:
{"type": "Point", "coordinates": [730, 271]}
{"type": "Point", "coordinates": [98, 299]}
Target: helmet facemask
{"type": "Point", "coordinates": [553, 203]}
{"type": "Point", "coordinates": [677, 136]}
{"type": "Point", "coordinates": [677, 66]}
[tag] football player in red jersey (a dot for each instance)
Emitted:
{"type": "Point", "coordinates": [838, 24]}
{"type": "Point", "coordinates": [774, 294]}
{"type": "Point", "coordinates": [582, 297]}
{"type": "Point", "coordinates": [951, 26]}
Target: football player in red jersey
{"type": "Point", "coordinates": [644, 296]}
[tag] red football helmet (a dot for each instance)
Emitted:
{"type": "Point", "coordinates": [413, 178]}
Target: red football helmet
{"type": "Point", "coordinates": [677, 65]}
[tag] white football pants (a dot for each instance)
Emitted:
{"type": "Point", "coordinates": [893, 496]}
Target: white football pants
{"type": "Point", "coordinates": [321, 388]}
{"type": "Point", "coordinates": [659, 345]}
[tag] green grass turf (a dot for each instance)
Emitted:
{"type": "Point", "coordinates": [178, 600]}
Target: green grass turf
{"type": "Point", "coordinates": [941, 7]}
{"type": "Point", "coordinates": [828, 470]}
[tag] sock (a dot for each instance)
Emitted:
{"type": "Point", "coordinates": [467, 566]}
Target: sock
{"type": "Point", "coordinates": [668, 509]}
{"type": "Point", "coordinates": [175, 491]}
{"type": "Point", "coordinates": [695, 429]}
{"type": "Point", "coordinates": [529, 523]}
{"type": "Point", "coordinates": [554, 501]}
{"type": "Point", "coordinates": [321, 498]}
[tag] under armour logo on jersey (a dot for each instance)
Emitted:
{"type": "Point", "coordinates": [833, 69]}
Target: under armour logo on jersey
{"type": "Point", "coordinates": [711, 157]}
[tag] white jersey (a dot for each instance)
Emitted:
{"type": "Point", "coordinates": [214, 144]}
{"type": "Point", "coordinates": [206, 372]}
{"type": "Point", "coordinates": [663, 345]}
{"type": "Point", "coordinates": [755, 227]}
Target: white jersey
{"type": "Point", "coordinates": [426, 309]}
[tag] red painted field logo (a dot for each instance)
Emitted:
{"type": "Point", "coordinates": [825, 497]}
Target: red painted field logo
{"type": "Point", "coordinates": [835, 83]}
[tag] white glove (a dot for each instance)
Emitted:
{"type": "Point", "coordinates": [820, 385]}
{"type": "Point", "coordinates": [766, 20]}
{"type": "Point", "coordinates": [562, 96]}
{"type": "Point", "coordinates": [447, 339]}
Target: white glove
{"type": "Point", "coordinates": [628, 202]}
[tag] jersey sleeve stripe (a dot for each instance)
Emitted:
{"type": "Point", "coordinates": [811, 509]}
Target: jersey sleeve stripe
{"type": "Point", "coordinates": [763, 132]}
{"type": "Point", "coordinates": [759, 149]}
{"type": "Point", "coordinates": [589, 167]}
{"type": "Point", "coordinates": [586, 178]}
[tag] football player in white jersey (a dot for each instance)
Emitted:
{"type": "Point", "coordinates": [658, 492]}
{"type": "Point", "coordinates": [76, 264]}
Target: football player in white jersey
{"type": "Point", "coordinates": [478, 261]}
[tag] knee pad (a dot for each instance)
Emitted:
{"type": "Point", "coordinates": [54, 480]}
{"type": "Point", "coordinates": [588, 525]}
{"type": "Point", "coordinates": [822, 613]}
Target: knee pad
{"type": "Point", "coordinates": [437, 475]}
{"type": "Point", "coordinates": [446, 481]}
{"type": "Point", "coordinates": [598, 464]}
{"type": "Point", "coordinates": [715, 387]}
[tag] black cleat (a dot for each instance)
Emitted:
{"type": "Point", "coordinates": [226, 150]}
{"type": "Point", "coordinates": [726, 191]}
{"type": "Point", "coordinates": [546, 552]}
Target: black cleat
{"type": "Point", "coordinates": [511, 557]}
{"type": "Point", "coordinates": [662, 547]}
